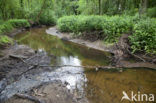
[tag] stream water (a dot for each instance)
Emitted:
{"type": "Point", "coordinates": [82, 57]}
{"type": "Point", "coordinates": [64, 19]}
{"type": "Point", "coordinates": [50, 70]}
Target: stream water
{"type": "Point", "coordinates": [98, 86]}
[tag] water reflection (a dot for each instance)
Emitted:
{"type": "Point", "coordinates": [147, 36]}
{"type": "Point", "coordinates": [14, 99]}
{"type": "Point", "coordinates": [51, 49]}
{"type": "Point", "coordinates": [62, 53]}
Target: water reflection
{"type": "Point", "coordinates": [98, 86]}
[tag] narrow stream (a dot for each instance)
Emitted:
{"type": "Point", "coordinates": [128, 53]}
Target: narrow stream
{"type": "Point", "coordinates": [102, 86]}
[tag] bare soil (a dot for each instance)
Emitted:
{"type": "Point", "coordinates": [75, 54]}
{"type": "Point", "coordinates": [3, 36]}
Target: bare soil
{"type": "Point", "coordinates": [18, 61]}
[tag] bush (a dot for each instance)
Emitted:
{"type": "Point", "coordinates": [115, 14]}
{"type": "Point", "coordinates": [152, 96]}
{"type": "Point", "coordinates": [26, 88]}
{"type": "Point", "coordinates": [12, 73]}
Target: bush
{"type": "Point", "coordinates": [115, 26]}
{"type": "Point", "coordinates": [143, 29]}
{"type": "Point", "coordinates": [6, 27]}
{"type": "Point", "coordinates": [144, 36]}
{"type": "Point", "coordinates": [112, 27]}
{"type": "Point", "coordinates": [151, 12]}
{"type": "Point", "coordinates": [5, 40]}
{"type": "Point", "coordinates": [13, 23]}
{"type": "Point", "coordinates": [47, 18]}
{"type": "Point", "coordinates": [18, 23]}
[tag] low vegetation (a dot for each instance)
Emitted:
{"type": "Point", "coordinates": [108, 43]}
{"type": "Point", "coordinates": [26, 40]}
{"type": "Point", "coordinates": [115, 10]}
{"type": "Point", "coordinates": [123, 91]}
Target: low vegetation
{"type": "Point", "coordinates": [8, 26]}
{"type": "Point", "coordinates": [13, 23]}
{"type": "Point", "coordinates": [143, 37]}
{"type": "Point", "coordinates": [5, 40]}
{"type": "Point", "coordinates": [143, 31]}
{"type": "Point", "coordinates": [101, 19]}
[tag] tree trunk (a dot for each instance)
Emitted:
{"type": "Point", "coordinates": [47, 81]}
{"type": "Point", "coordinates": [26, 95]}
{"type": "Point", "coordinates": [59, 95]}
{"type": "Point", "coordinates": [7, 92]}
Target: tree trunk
{"type": "Point", "coordinates": [143, 7]}
{"type": "Point", "coordinates": [99, 7]}
{"type": "Point", "coordinates": [39, 14]}
{"type": "Point", "coordinates": [21, 2]}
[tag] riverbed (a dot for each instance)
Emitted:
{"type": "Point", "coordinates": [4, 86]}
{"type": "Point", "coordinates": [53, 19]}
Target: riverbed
{"type": "Point", "coordinates": [95, 85]}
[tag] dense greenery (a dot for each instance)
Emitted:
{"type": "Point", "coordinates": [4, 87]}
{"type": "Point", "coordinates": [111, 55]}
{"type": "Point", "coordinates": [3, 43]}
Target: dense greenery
{"type": "Point", "coordinates": [5, 40]}
{"type": "Point", "coordinates": [13, 23]}
{"type": "Point", "coordinates": [112, 27]}
{"type": "Point", "coordinates": [111, 18]}
{"type": "Point", "coordinates": [144, 36]}
{"type": "Point", "coordinates": [143, 31]}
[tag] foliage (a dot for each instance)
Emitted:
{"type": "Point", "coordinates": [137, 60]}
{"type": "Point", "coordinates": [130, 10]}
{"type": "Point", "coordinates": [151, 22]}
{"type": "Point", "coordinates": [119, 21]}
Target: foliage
{"type": "Point", "coordinates": [144, 36]}
{"type": "Point", "coordinates": [13, 23]}
{"type": "Point", "coordinates": [151, 12]}
{"type": "Point", "coordinates": [17, 23]}
{"type": "Point", "coordinates": [5, 27]}
{"type": "Point", "coordinates": [112, 27]}
{"type": "Point", "coordinates": [5, 40]}
{"type": "Point", "coordinates": [47, 18]}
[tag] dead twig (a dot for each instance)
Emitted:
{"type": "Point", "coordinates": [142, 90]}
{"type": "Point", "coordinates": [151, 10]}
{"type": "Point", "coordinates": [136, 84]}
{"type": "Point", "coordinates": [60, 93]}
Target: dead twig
{"type": "Point", "coordinates": [30, 68]}
{"type": "Point", "coordinates": [17, 56]}
{"type": "Point", "coordinates": [32, 98]}
{"type": "Point", "coordinates": [136, 56]}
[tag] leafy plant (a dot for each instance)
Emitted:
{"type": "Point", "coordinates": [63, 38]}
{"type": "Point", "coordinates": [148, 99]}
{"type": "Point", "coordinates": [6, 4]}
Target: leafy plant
{"type": "Point", "coordinates": [5, 40]}
{"type": "Point", "coordinates": [13, 23]}
{"type": "Point", "coordinates": [144, 36]}
{"type": "Point", "coordinates": [112, 27]}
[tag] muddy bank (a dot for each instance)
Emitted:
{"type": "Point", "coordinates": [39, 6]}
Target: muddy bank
{"type": "Point", "coordinates": [54, 92]}
{"type": "Point", "coordinates": [120, 59]}
{"type": "Point", "coordinates": [21, 71]}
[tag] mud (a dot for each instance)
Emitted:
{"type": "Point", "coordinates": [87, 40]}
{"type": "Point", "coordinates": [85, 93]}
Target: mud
{"type": "Point", "coordinates": [53, 92]}
{"type": "Point", "coordinates": [121, 57]}
{"type": "Point", "coordinates": [20, 74]}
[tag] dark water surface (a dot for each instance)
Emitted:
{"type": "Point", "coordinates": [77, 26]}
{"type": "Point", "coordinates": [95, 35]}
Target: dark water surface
{"type": "Point", "coordinates": [102, 86]}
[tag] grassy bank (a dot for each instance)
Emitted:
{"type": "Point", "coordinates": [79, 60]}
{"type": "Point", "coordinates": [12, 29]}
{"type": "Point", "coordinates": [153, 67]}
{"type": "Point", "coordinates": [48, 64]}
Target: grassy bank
{"type": "Point", "coordinates": [143, 31]}
{"type": "Point", "coordinates": [8, 26]}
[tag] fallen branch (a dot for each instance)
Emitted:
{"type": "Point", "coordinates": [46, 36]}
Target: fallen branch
{"type": "Point", "coordinates": [136, 56]}
{"type": "Point", "coordinates": [20, 57]}
{"type": "Point", "coordinates": [96, 67]}
{"type": "Point", "coordinates": [32, 98]}
{"type": "Point", "coordinates": [30, 68]}
{"type": "Point", "coordinates": [17, 56]}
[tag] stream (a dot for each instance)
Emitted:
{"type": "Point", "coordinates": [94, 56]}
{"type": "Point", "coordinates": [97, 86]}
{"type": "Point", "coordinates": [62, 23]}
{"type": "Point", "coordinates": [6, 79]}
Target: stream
{"type": "Point", "coordinates": [98, 86]}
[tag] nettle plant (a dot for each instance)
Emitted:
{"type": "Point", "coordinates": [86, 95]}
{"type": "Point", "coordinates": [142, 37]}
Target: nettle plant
{"type": "Point", "coordinates": [144, 36]}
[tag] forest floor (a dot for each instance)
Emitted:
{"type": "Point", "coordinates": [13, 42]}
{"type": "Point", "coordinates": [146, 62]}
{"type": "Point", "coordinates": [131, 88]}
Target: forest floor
{"type": "Point", "coordinates": [122, 57]}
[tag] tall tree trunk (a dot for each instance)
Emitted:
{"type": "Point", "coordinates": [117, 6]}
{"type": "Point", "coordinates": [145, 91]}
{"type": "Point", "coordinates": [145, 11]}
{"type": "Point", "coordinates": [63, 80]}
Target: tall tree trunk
{"type": "Point", "coordinates": [143, 7]}
{"type": "Point", "coordinates": [21, 3]}
{"type": "Point", "coordinates": [39, 14]}
{"type": "Point", "coordinates": [99, 7]}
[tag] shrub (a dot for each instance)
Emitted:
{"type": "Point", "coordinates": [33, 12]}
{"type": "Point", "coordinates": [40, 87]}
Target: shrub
{"type": "Point", "coordinates": [144, 36]}
{"type": "Point", "coordinates": [143, 29]}
{"type": "Point", "coordinates": [115, 26]}
{"type": "Point", "coordinates": [17, 23]}
{"type": "Point", "coordinates": [151, 12]}
{"type": "Point", "coordinates": [112, 27]}
{"type": "Point", "coordinates": [47, 18]}
{"type": "Point", "coordinates": [6, 27]}
{"type": "Point", "coordinates": [13, 23]}
{"type": "Point", "coordinates": [5, 40]}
